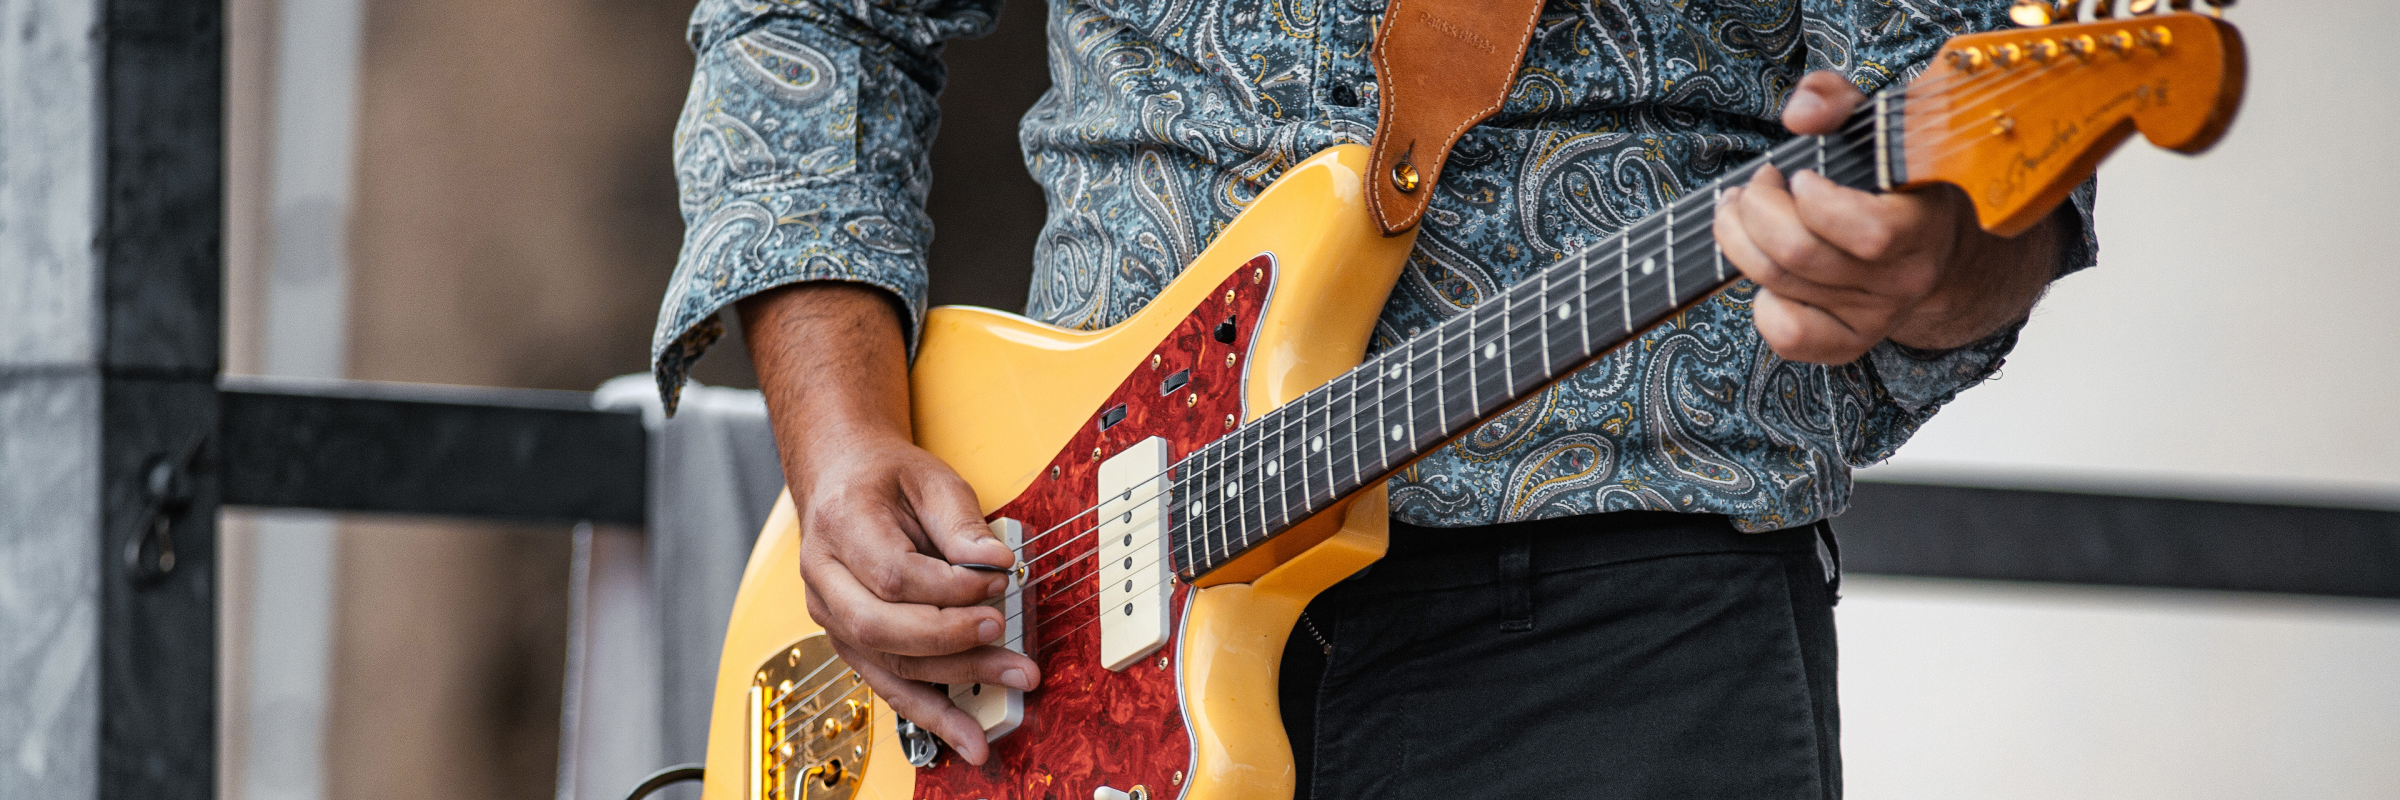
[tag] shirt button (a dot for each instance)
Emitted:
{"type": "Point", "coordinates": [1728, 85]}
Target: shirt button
{"type": "Point", "coordinates": [1342, 95]}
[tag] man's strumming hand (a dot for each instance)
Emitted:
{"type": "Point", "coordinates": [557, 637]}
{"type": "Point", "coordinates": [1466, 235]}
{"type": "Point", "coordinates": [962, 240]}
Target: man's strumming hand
{"type": "Point", "coordinates": [1840, 270]}
{"type": "Point", "coordinates": [884, 523]}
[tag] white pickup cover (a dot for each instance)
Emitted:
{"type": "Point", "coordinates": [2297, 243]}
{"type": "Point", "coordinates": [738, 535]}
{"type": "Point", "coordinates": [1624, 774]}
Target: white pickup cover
{"type": "Point", "coordinates": [999, 709]}
{"type": "Point", "coordinates": [1135, 579]}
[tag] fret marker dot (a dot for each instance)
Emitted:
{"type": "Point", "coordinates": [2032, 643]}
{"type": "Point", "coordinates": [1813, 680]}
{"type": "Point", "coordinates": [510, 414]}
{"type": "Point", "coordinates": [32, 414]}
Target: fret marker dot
{"type": "Point", "coordinates": [1649, 265]}
{"type": "Point", "coordinates": [1395, 433]}
{"type": "Point", "coordinates": [1491, 350]}
{"type": "Point", "coordinates": [1317, 444]}
{"type": "Point", "coordinates": [1394, 373]}
{"type": "Point", "coordinates": [1232, 489]}
{"type": "Point", "coordinates": [1562, 311]}
{"type": "Point", "coordinates": [1271, 469]}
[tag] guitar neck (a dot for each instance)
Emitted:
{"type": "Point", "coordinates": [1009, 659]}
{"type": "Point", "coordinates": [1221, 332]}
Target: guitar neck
{"type": "Point", "coordinates": [1301, 458]}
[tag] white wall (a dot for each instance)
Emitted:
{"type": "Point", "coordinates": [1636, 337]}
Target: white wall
{"type": "Point", "coordinates": [2233, 343]}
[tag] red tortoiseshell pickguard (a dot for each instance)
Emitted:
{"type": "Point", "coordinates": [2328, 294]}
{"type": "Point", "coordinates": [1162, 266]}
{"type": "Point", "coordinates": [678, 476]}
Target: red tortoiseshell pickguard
{"type": "Point", "coordinates": [1085, 726]}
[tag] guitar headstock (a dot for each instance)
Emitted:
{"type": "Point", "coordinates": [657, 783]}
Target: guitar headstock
{"type": "Point", "coordinates": [2017, 118]}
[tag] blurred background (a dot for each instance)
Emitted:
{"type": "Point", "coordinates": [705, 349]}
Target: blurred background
{"type": "Point", "coordinates": [478, 192]}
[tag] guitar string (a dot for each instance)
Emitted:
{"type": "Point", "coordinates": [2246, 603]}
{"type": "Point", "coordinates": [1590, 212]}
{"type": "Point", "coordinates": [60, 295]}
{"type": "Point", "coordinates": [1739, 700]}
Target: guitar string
{"type": "Point", "coordinates": [1867, 113]}
{"type": "Point", "coordinates": [1509, 297]}
{"type": "Point", "coordinates": [1512, 299]}
{"type": "Point", "coordinates": [1704, 222]}
{"type": "Point", "coordinates": [1407, 389]}
{"type": "Point", "coordinates": [1053, 639]}
{"type": "Point", "coordinates": [1406, 392]}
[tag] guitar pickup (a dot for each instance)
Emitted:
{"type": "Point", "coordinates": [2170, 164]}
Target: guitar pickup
{"type": "Point", "coordinates": [1135, 579]}
{"type": "Point", "coordinates": [1000, 709]}
{"type": "Point", "coordinates": [1173, 382]}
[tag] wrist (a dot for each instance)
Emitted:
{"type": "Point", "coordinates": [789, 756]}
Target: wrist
{"type": "Point", "coordinates": [1991, 282]}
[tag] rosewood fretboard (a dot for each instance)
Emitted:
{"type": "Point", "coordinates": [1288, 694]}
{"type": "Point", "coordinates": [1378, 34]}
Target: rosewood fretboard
{"type": "Point", "coordinates": [1297, 460]}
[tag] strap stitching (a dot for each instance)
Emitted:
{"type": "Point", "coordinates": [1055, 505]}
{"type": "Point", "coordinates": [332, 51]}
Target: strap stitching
{"type": "Point", "coordinates": [1378, 166]}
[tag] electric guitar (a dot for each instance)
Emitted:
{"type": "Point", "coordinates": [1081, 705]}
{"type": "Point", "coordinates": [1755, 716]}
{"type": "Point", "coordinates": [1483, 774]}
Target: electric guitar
{"type": "Point", "coordinates": [1181, 484]}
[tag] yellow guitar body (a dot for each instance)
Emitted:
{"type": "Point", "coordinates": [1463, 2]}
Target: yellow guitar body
{"type": "Point", "coordinates": [1180, 698]}
{"type": "Point", "coordinates": [997, 396]}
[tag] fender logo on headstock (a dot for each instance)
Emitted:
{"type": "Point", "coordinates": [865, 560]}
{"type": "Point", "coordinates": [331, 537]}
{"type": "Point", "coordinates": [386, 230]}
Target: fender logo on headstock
{"type": "Point", "coordinates": [1974, 119]}
{"type": "Point", "coordinates": [2066, 133]}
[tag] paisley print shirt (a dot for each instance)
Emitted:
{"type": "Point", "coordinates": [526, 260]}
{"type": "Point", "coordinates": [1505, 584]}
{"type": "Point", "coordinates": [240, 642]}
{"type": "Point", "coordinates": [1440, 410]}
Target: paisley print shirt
{"type": "Point", "coordinates": [801, 155]}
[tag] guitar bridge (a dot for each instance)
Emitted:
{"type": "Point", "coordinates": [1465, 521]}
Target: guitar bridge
{"type": "Point", "coordinates": [811, 723]}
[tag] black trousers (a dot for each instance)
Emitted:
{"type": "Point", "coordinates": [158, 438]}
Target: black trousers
{"type": "Point", "coordinates": [1629, 655]}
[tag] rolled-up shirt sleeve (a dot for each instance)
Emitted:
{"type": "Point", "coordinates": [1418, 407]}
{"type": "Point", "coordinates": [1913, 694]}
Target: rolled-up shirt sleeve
{"type": "Point", "coordinates": [800, 155]}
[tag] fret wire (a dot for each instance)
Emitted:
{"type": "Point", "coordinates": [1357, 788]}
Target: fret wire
{"type": "Point", "coordinates": [1432, 378]}
{"type": "Point", "coordinates": [1625, 275]}
{"type": "Point", "coordinates": [1238, 483]}
{"type": "Point", "coordinates": [1474, 381]}
{"type": "Point", "coordinates": [1283, 476]}
{"type": "Point", "coordinates": [1542, 311]}
{"type": "Point", "coordinates": [1382, 412]}
{"type": "Point", "coordinates": [1215, 508]}
{"type": "Point", "coordinates": [1408, 384]}
{"type": "Point", "coordinates": [1717, 198]}
{"type": "Point", "coordinates": [1508, 366]}
{"type": "Point", "coordinates": [1583, 304]}
{"type": "Point", "coordinates": [1671, 252]}
{"type": "Point", "coordinates": [1229, 517]}
{"type": "Point", "coordinates": [1441, 386]}
{"type": "Point", "coordinates": [1357, 473]}
{"type": "Point", "coordinates": [1332, 487]}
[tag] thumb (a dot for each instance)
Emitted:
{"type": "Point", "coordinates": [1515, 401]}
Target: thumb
{"type": "Point", "coordinates": [1820, 103]}
{"type": "Point", "coordinates": [953, 519]}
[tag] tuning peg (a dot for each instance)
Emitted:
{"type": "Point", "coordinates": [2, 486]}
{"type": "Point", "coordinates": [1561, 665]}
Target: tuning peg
{"type": "Point", "coordinates": [2218, 7]}
{"type": "Point", "coordinates": [2104, 9]}
{"type": "Point", "coordinates": [2180, 5]}
{"type": "Point", "coordinates": [2140, 7]}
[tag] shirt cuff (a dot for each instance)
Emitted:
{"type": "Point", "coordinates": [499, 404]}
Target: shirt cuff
{"type": "Point", "coordinates": [752, 243]}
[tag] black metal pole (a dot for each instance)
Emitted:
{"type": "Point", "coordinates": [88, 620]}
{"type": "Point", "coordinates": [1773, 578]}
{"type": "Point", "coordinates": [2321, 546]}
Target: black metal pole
{"type": "Point", "coordinates": [161, 268]}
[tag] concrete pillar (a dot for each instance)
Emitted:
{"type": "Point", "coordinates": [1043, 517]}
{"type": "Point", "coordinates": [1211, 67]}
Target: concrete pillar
{"type": "Point", "coordinates": [109, 262]}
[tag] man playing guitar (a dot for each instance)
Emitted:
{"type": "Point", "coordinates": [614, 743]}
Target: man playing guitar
{"type": "Point", "coordinates": [1628, 564]}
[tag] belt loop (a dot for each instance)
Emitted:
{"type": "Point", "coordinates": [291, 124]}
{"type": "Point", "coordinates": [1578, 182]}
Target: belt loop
{"type": "Point", "coordinates": [1516, 584]}
{"type": "Point", "coordinates": [1829, 555]}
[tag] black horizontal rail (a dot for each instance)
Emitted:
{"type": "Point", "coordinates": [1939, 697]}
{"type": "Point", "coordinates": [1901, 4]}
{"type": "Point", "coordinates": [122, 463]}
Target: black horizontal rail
{"type": "Point", "coordinates": [2018, 535]}
{"type": "Point", "coordinates": [416, 449]}
{"type": "Point", "coordinates": [542, 455]}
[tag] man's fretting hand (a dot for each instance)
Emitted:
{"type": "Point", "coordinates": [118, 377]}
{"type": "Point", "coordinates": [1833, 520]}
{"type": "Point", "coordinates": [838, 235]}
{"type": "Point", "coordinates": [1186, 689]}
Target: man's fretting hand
{"type": "Point", "coordinates": [1840, 270]}
{"type": "Point", "coordinates": [883, 522]}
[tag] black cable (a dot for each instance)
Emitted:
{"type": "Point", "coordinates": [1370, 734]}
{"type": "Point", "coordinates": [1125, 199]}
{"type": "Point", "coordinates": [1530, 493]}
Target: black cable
{"type": "Point", "coordinates": [664, 778]}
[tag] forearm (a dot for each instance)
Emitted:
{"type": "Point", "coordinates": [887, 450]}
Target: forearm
{"type": "Point", "coordinates": [833, 365]}
{"type": "Point", "coordinates": [1994, 283]}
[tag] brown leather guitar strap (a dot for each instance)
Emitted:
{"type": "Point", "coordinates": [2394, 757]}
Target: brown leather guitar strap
{"type": "Point", "coordinates": [1440, 66]}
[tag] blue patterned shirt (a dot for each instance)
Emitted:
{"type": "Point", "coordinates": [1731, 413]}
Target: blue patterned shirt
{"type": "Point", "coordinates": [802, 155]}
